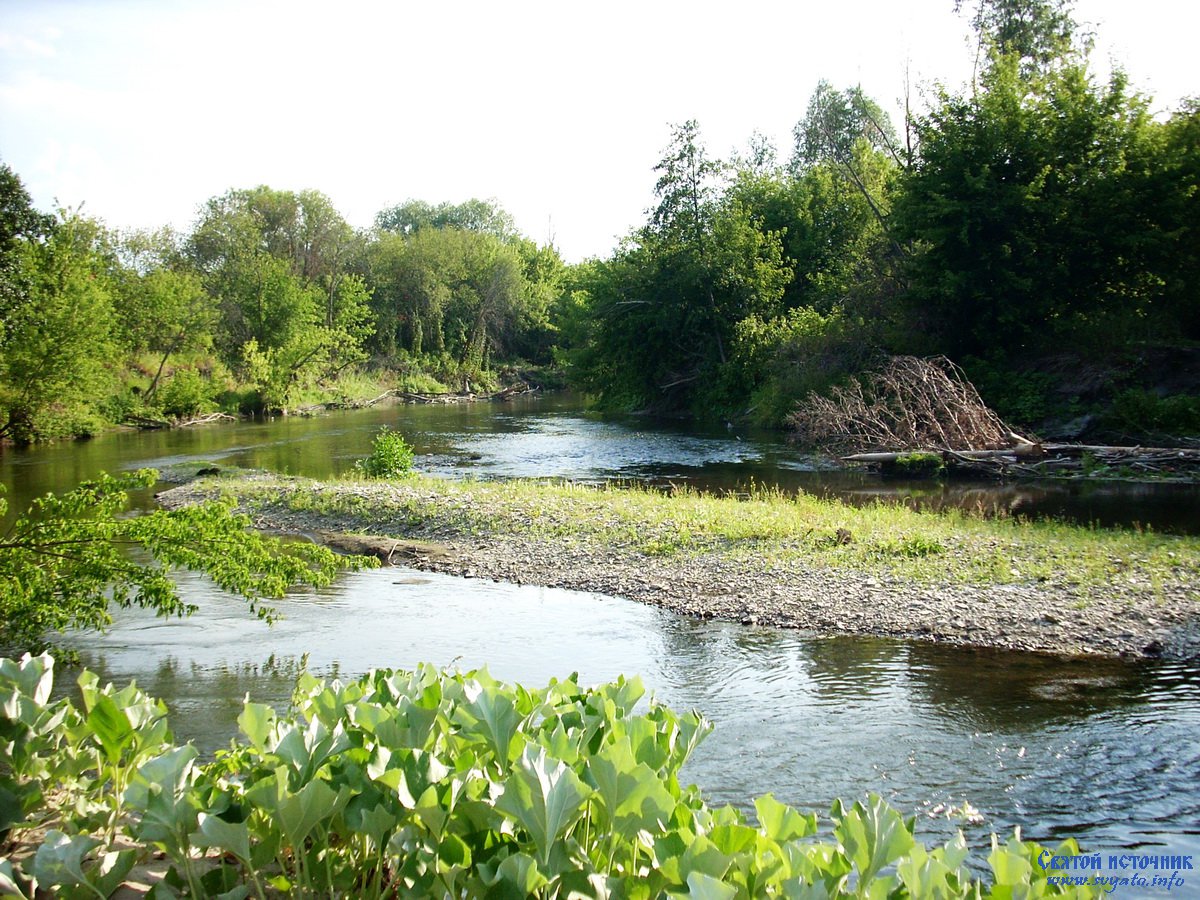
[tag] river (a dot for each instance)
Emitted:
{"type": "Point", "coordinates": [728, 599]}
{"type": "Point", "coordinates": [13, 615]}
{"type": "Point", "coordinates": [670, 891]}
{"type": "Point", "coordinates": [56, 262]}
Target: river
{"type": "Point", "coordinates": [1104, 751]}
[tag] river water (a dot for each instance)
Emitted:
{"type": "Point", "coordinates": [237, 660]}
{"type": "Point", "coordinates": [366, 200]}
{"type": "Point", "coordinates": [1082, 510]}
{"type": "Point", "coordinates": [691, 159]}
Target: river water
{"type": "Point", "coordinates": [1104, 751]}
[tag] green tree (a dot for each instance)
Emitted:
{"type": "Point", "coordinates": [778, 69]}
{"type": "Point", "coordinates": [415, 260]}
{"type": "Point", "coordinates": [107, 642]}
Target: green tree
{"type": "Point", "coordinates": [1038, 34]}
{"type": "Point", "coordinates": [56, 335]}
{"type": "Point", "coordinates": [1031, 209]}
{"type": "Point", "coordinates": [20, 224]}
{"type": "Point", "coordinates": [665, 307]}
{"type": "Point", "coordinates": [454, 291]}
{"type": "Point", "coordinates": [482, 216]}
{"type": "Point", "coordinates": [278, 264]}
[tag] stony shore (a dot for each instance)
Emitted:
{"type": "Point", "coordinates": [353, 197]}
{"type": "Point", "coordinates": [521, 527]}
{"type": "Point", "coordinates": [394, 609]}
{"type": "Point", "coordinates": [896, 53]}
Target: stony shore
{"type": "Point", "coordinates": [1128, 617]}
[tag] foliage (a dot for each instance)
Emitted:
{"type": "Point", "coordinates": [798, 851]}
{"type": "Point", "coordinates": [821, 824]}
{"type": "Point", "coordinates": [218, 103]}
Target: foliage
{"type": "Point", "coordinates": [465, 292]}
{"type": "Point", "coordinates": [1037, 33]}
{"type": "Point", "coordinates": [66, 560]}
{"type": "Point", "coordinates": [916, 465]}
{"type": "Point", "coordinates": [391, 456]}
{"type": "Point", "coordinates": [185, 394]}
{"type": "Point", "coordinates": [56, 335]}
{"type": "Point", "coordinates": [481, 216]}
{"type": "Point", "coordinates": [1142, 412]}
{"type": "Point", "coordinates": [432, 783]}
{"type": "Point", "coordinates": [1034, 209]}
{"type": "Point", "coordinates": [659, 317]}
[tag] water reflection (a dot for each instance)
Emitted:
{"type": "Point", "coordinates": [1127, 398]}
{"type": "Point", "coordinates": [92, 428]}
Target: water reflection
{"type": "Point", "coordinates": [991, 690]}
{"type": "Point", "coordinates": [1100, 750]}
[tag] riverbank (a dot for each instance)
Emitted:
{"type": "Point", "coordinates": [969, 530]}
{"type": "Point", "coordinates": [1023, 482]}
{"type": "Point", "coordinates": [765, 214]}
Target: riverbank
{"type": "Point", "coordinates": [768, 559]}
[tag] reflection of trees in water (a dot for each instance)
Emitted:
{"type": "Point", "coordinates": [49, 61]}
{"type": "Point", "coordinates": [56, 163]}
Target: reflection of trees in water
{"type": "Point", "coordinates": [994, 690]}
{"type": "Point", "coordinates": [721, 658]}
{"type": "Point", "coordinates": [203, 702]}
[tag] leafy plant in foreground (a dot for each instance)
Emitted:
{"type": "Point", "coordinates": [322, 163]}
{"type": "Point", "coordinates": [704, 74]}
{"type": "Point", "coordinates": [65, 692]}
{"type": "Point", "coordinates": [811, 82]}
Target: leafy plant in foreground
{"type": "Point", "coordinates": [429, 783]}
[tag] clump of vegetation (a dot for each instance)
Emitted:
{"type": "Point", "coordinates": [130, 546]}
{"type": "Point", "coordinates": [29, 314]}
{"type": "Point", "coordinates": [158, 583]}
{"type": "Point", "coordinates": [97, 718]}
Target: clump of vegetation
{"type": "Point", "coordinates": [915, 465]}
{"type": "Point", "coordinates": [432, 783]}
{"type": "Point", "coordinates": [64, 562]}
{"type": "Point", "coordinates": [391, 456]}
{"type": "Point", "coordinates": [1144, 412]}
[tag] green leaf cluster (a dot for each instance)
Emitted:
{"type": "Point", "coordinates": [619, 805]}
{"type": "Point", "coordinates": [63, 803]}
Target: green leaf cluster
{"type": "Point", "coordinates": [391, 456]}
{"type": "Point", "coordinates": [431, 783]}
{"type": "Point", "coordinates": [70, 557]}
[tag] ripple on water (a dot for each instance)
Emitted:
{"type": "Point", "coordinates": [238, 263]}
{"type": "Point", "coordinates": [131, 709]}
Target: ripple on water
{"type": "Point", "coordinates": [1105, 751]}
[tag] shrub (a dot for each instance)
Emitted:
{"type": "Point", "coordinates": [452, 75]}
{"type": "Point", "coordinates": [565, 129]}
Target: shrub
{"type": "Point", "coordinates": [391, 456]}
{"type": "Point", "coordinates": [185, 394]}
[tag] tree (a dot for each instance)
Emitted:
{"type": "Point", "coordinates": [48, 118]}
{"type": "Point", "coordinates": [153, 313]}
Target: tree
{"type": "Point", "coordinates": [664, 309]}
{"type": "Point", "coordinates": [481, 216]}
{"type": "Point", "coordinates": [20, 223]}
{"type": "Point", "coordinates": [66, 562]}
{"type": "Point", "coordinates": [164, 311]}
{"type": "Point", "coordinates": [278, 264]}
{"type": "Point", "coordinates": [57, 334]}
{"type": "Point", "coordinates": [1031, 209]}
{"type": "Point", "coordinates": [1037, 33]}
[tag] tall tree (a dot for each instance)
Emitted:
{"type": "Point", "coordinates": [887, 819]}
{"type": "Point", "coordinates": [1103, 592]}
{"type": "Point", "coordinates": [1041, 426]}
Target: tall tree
{"type": "Point", "coordinates": [1030, 206]}
{"type": "Point", "coordinates": [482, 216]}
{"type": "Point", "coordinates": [57, 336]}
{"type": "Point", "coordinates": [1037, 33]}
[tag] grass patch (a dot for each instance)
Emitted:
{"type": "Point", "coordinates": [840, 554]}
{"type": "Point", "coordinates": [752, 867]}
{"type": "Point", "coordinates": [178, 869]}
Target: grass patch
{"type": "Point", "coordinates": [951, 546]}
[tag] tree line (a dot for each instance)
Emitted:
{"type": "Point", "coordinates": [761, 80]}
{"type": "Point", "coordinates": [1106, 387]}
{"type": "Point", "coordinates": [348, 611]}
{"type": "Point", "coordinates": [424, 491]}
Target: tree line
{"type": "Point", "coordinates": [272, 298]}
{"type": "Point", "coordinates": [1034, 220]}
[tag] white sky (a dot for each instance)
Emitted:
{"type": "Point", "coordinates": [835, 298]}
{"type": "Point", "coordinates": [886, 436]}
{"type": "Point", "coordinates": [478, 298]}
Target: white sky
{"type": "Point", "coordinates": [144, 109]}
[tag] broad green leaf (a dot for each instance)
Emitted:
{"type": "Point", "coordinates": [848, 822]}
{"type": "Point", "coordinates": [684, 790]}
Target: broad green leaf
{"type": "Point", "coordinates": [163, 776]}
{"type": "Point", "coordinates": [516, 876]}
{"type": "Point", "coordinates": [700, 855]}
{"type": "Point", "coordinates": [453, 853]}
{"type": "Point", "coordinates": [59, 860]}
{"type": "Point", "coordinates": [782, 823]}
{"type": "Point", "coordinates": [873, 835]}
{"type": "Point", "coordinates": [297, 814]}
{"type": "Point", "coordinates": [232, 837]}
{"type": "Point", "coordinates": [632, 793]}
{"type": "Point", "coordinates": [112, 870]}
{"type": "Point", "coordinates": [543, 795]}
{"type": "Point", "coordinates": [705, 887]}
{"type": "Point", "coordinates": [490, 714]}
{"type": "Point", "coordinates": [256, 721]}
{"type": "Point", "coordinates": [111, 727]}
{"type": "Point", "coordinates": [733, 839]}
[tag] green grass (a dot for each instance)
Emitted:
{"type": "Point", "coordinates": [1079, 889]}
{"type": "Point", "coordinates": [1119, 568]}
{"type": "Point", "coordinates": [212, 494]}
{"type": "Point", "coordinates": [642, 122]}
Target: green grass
{"type": "Point", "coordinates": [767, 526]}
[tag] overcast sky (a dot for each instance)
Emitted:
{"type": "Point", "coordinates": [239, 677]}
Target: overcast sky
{"type": "Point", "coordinates": [143, 109]}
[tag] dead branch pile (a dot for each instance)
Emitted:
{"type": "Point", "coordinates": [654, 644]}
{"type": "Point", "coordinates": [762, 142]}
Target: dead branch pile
{"type": "Point", "coordinates": [908, 404]}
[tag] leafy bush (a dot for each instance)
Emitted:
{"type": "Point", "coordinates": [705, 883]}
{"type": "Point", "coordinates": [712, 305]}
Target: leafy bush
{"type": "Point", "coordinates": [1148, 413]}
{"type": "Point", "coordinates": [185, 394]}
{"type": "Point", "coordinates": [431, 783]}
{"type": "Point", "coordinates": [391, 456]}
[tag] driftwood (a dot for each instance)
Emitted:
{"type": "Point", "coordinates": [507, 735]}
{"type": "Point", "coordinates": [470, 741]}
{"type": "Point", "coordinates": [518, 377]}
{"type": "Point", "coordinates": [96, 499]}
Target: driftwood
{"type": "Point", "coordinates": [1060, 461]}
{"type": "Point", "coordinates": [907, 404]}
{"type": "Point", "coordinates": [147, 423]}
{"type": "Point", "coordinates": [508, 393]}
